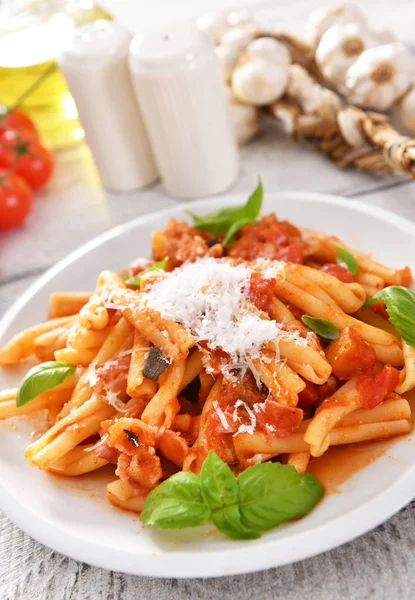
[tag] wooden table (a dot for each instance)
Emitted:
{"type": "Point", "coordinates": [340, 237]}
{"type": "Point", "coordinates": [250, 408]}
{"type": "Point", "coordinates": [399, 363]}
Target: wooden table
{"type": "Point", "coordinates": [74, 209]}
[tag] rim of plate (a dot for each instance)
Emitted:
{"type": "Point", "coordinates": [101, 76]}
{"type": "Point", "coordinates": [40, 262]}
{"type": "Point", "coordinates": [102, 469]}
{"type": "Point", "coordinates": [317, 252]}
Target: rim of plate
{"type": "Point", "coordinates": [239, 559]}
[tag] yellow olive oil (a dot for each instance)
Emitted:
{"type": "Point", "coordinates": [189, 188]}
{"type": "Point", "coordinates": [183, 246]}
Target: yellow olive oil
{"type": "Point", "coordinates": [27, 49]}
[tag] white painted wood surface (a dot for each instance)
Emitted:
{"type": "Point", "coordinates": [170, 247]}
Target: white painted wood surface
{"type": "Point", "coordinates": [74, 208]}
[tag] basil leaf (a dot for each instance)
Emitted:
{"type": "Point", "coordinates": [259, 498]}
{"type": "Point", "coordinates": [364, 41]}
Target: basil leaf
{"type": "Point", "coordinates": [400, 306]}
{"type": "Point", "coordinates": [217, 482]}
{"type": "Point", "coordinates": [228, 521]}
{"type": "Point", "coordinates": [233, 229]}
{"type": "Point", "coordinates": [345, 259]}
{"type": "Point", "coordinates": [234, 217]}
{"type": "Point", "coordinates": [321, 327]}
{"type": "Point", "coordinates": [158, 266]}
{"type": "Point", "coordinates": [176, 503]}
{"type": "Point", "coordinates": [42, 378]}
{"type": "Point", "coordinates": [271, 493]}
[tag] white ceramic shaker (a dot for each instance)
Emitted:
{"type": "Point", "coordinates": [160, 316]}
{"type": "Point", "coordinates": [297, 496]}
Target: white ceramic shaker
{"type": "Point", "coordinates": [182, 98]}
{"type": "Point", "coordinates": [95, 66]}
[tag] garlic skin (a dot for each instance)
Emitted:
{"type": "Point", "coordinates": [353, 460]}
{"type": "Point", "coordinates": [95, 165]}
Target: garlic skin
{"type": "Point", "coordinates": [339, 47]}
{"type": "Point", "coordinates": [268, 49]}
{"type": "Point", "coordinates": [379, 77]}
{"type": "Point", "coordinates": [259, 82]}
{"type": "Point", "coordinates": [325, 17]}
{"type": "Point", "coordinates": [407, 110]}
{"type": "Point", "coordinates": [245, 119]}
{"type": "Point", "coordinates": [214, 24]}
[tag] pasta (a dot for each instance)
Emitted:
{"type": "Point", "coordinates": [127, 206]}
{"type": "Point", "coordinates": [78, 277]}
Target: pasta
{"type": "Point", "coordinates": [213, 353]}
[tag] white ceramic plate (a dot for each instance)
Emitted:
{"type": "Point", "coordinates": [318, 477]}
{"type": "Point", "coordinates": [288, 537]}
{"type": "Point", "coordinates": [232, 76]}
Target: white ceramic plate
{"type": "Point", "coordinates": [74, 518]}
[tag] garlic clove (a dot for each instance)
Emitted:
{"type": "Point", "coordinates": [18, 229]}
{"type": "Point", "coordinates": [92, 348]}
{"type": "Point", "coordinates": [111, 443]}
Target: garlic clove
{"type": "Point", "coordinates": [380, 76]}
{"type": "Point", "coordinates": [339, 48]}
{"type": "Point", "coordinates": [259, 82]}
{"type": "Point", "coordinates": [269, 49]}
{"type": "Point", "coordinates": [407, 110]}
{"type": "Point", "coordinates": [214, 24]}
{"type": "Point", "coordinates": [325, 17]}
{"type": "Point", "coordinates": [227, 55]}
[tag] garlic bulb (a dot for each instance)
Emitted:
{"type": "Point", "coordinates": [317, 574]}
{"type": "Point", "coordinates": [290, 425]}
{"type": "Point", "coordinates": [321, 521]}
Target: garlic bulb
{"type": "Point", "coordinates": [261, 74]}
{"type": "Point", "coordinates": [325, 17]}
{"type": "Point", "coordinates": [385, 36]}
{"type": "Point", "coordinates": [339, 48]}
{"type": "Point", "coordinates": [349, 128]}
{"type": "Point", "coordinates": [259, 82]}
{"type": "Point", "coordinates": [310, 95]}
{"type": "Point", "coordinates": [407, 110]}
{"type": "Point", "coordinates": [268, 49]}
{"type": "Point", "coordinates": [214, 24]}
{"type": "Point", "coordinates": [227, 56]}
{"type": "Point", "coordinates": [245, 119]}
{"type": "Point", "coordinates": [379, 76]}
{"type": "Point", "coordinates": [241, 18]}
{"type": "Point", "coordinates": [238, 37]}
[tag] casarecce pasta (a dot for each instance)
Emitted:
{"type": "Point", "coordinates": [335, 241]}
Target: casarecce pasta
{"type": "Point", "coordinates": [214, 353]}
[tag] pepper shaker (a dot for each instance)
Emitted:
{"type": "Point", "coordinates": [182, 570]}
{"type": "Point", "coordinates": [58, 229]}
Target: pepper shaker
{"type": "Point", "coordinates": [182, 98]}
{"type": "Point", "coordinates": [95, 66]}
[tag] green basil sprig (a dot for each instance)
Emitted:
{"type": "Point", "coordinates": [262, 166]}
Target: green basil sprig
{"type": "Point", "coordinates": [400, 306]}
{"type": "Point", "coordinates": [345, 259]}
{"type": "Point", "coordinates": [42, 378]}
{"type": "Point", "coordinates": [261, 497]}
{"type": "Point", "coordinates": [229, 220]}
{"type": "Point", "coordinates": [321, 327]}
{"type": "Point", "coordinates": [158, 266]}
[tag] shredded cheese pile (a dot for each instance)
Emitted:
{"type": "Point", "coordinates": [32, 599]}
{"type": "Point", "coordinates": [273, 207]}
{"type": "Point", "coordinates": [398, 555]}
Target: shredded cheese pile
{"type": "Point", "coordinates": [209, 297]}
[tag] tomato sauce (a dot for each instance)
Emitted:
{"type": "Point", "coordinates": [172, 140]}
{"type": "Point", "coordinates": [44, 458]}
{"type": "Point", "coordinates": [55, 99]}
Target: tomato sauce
{"type": "Point", "coordinates": [340, 463]}
{"type": "Point", "coordinates": [269, 239]}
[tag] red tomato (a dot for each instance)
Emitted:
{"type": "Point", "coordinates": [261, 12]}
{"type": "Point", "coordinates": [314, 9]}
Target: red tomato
{"type": "Point", "coordinates": [338, 271]}
{"type": "Point", "coordinates": [379, 308]}
{"type": "Point", "coordinates": [350, 355]}
{"type": "Point", "coordinates": [261, 291]}
{"type": "Point", "coordinates": [17, 120]}
{"type": "Point", "coordinates": [15, 200]}
{"type": "Point", "coordinates": [23, 153]}
{"type": "Point", "coordinates": [373, 389]}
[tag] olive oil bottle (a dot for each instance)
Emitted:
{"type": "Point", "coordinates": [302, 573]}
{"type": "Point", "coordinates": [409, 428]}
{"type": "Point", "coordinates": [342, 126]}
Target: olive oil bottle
{"type": "Point", "coordinates": [31, 33]}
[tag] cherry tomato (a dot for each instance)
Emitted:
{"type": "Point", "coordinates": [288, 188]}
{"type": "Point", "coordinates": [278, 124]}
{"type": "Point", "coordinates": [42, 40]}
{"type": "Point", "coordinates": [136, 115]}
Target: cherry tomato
{"type": "Point", "coordinates": [17, 120]}
{"type": "Point", "coordinates": [24, 154]}
{"type": "Point", "coordinates": [15, 200]}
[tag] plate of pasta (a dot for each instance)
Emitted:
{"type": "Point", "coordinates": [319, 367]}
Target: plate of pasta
{"type": "Point", "coordinates": [236, 398]}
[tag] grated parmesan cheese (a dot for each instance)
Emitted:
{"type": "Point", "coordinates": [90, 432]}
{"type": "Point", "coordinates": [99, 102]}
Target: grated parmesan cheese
{"type": "Point", "coordinates": [209, 297]}
{"type": "Point", "coordinates": [245, 428]}
{"type": "Point", "coordinates": [220, 414]}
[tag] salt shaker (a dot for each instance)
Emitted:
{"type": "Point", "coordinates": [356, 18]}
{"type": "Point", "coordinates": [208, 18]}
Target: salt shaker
{"type": "Point", "coordinates": [95, 66]}
{"type": "Point", "coordinates": [182, 98]}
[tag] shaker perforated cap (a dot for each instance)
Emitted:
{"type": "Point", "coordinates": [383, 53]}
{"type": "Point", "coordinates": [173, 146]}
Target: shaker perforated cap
{"type": "Point", "coordinates": [173, 45]}
{"type": "Point", "coordinates": [97, 42]}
